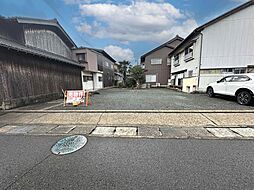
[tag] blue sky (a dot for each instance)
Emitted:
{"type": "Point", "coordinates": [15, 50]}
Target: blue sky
{"type": "Point", "coordinates": [125, 29]}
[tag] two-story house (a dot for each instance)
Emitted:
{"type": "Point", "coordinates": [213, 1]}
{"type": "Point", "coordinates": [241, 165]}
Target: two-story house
{"type": "Point", "coordinates": [36, 61]}
{"type": "Point", "coordinates": [156, 64]}
{"type": "Point", "coordinates": [99, 68]}
{"type": "Point", "coordinates": [220, 47]}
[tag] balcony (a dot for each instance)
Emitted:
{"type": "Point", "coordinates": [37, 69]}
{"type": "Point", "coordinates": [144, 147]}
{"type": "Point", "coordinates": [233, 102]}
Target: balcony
{"type": "Point", "coordinates": [188, 57]}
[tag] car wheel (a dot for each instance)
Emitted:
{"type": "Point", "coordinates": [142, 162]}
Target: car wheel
{"type": "Point", "coordinates": [210, 92]}
{"type": "Point", "coordinates": [244, 98]}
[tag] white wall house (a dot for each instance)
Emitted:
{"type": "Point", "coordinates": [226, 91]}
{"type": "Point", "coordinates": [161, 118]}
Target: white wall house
{"type": "Point", "coordinates": [220, 47]}
{"type": "Point", "coordinates": [91, 77]}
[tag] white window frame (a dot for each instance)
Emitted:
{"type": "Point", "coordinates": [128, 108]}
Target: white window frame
{"type": "Point", "coordinates": [151, 78]}
{"type": "Point", "coordinates": [156, 61]}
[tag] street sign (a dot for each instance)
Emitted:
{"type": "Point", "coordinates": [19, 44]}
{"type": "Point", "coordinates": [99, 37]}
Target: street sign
{"type": "Point", "coordinates": [74, 96]}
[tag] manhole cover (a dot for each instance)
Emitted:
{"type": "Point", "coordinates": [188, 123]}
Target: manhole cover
{"type": "Point", "coordinates": [69, 144]}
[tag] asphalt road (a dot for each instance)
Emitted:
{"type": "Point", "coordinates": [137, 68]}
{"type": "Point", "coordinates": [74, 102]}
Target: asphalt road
{"type": "Point", "coordinates": [149, 99]}
{"type": "Point", "coordinates": [122, 163]}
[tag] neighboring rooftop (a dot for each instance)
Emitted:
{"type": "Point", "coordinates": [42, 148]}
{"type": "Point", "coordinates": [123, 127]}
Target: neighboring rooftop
{"type": "Point", "coordinates": [100, 51]}
{"type": "Point", "coordinates": [166, 44]}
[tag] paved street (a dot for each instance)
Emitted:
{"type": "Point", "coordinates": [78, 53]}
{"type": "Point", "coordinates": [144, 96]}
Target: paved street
{"type": "Point", "coordinates": [121, 163]}
{"type": "Point", "coordinates": [148, 99]}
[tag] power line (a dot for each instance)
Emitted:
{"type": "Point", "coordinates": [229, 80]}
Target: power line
{"type": "Point", "coordinates": [50, 5]}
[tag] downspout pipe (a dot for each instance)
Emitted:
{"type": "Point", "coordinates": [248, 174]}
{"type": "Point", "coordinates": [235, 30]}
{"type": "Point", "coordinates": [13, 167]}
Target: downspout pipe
{"type": "Point", "coordinates": [200, 56]}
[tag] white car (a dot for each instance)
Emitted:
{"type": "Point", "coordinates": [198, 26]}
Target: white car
{"type": "Point", "coordinates": [241, 86]}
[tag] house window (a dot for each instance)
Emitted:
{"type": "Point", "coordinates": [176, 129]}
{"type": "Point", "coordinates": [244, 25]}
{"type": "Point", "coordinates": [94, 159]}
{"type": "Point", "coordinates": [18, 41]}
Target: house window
{"type": "Point", "coordinates": [81, 57]}
{"type": "Point", "coordinates": [84, 78]}
{"type": "Point", "coordinates": [190, 73]}
{"type": "Point", "coordinates": [106, 64]}
{"type": "Point", "coordinates": [239, 71]}
{"type": "Point", "coordinates": [168, 61]}
{"type": "Point", "coordinates": [90, 78]}
{"type": "Point", "coordinates": [87, 78]}
{"type": "Point", "coordinates": [233, 70]}
{"type": "Point", "coordinates": [230, 70]}
{"type": "Point", "coordinates": [188, 53]}
{"type": "Point", "coordinates": [176, 60]}
{"type": "Point", "coordinates": [100, 79]}
{"type": "Point", "coordinates": [156, 61]}
{"type": "Point", "coordinates": [150, 78]}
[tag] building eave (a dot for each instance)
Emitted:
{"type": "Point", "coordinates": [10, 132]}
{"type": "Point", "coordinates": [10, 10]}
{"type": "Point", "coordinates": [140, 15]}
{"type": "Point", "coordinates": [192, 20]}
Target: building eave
{"type": "Point", "coordinates": [35, 51]}
{"type": "Point", "coordinates": [162, 46]}
{"type": "Point", "coordinates": [99, 51]}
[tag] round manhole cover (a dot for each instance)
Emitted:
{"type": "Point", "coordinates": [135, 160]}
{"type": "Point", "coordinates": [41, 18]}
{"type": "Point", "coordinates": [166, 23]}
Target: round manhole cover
{"type": "Point", "coordinates": [69, 144]}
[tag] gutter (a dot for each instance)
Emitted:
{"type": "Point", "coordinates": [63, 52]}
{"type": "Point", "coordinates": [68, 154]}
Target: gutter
{"type": "Point", "coordinates": [199, 67]}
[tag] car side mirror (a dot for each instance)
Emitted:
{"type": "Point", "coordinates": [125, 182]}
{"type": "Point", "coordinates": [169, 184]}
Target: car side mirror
{"type": "Point", "coordinates": [218, 81]}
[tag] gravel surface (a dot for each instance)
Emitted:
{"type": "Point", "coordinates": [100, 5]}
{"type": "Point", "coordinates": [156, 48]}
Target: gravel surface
{"type": "Point", "coordinates": [157, 99]}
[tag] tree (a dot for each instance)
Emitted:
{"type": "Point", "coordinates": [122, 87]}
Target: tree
{"type": "Point", "coordinates": [137, 73]}
{"type": "Point", "coordinates": [124, 66]}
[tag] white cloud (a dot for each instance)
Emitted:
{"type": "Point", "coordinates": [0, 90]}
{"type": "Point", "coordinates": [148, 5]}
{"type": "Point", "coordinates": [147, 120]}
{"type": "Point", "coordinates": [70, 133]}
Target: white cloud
{"type": "Point", "coordinates": [119, 53]}
{"type": "Point", "coordinates": [140, 21]}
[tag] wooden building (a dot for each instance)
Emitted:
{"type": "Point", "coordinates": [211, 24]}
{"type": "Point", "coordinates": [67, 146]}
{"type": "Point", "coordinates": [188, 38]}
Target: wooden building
{"type": "Point", "coordinates": [36, 61]}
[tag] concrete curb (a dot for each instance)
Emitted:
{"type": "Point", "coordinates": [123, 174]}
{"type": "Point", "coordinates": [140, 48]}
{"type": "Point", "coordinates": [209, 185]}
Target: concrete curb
{"type": "Point", "coordinates": [126, 132]}
{"type": "Point", "coordinates": [126, 111]}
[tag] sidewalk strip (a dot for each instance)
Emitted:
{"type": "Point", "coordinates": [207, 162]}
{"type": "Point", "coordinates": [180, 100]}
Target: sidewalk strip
{"type": "Point", "coordinates": [62, 129]}
{"type": "Point", "coordinates": [42, 129]}
{"type": "Point", "coordinates": [149, 132]}
{"type": "Point", "coordinates": [83, 129]}
{"type": "Point", "coordinates": [21, 129]}
{"type": "Point", "coordinates": [104, 131]}
{"type": "Point", "coordinates": [223, 132]}
{"type": "Point", "coordinates": [171, 132]}
{"type": "Point", "coordinates": [126, 131]}
{"type": "Point", "coordinates": [246, 132]}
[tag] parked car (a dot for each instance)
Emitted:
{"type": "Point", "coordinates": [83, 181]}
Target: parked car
{"type": "Point", "coordinates": [241, 86]}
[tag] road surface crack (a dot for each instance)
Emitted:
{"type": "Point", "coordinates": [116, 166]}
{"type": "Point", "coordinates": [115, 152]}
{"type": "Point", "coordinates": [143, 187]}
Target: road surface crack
{"type": "Point", "coordinates": [28, 171]}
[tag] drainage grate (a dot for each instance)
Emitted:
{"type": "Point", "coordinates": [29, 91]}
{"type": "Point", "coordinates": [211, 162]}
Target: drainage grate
{"type": "Point", "coordinates": [69, 145]}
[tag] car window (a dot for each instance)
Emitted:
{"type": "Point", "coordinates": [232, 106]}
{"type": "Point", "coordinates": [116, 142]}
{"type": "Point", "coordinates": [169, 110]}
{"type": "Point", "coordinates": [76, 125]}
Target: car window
{"type": "Point", "coordinates": [240, 79]}
{"type": "Point", "coordinates": [226, 79]}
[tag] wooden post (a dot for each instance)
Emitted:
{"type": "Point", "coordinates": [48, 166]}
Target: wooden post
{"type": "Point", "coordinates": [65, 96]}
{"type": "Point", "coordinates": [87, 98]}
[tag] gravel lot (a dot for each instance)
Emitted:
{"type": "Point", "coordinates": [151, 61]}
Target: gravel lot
{"type": "Point", "coordinates": [154, 99]}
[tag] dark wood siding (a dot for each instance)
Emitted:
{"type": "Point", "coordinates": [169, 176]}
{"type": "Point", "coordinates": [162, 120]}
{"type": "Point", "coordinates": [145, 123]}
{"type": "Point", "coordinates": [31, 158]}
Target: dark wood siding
{"type": "Point", "coordinates": [24, 75]}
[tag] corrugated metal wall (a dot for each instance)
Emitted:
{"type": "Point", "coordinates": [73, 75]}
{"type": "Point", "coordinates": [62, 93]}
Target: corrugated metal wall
{"type": "Point", "coordinates": [229, 43]}
{"type": "Point", "coordinates": [23, 75]}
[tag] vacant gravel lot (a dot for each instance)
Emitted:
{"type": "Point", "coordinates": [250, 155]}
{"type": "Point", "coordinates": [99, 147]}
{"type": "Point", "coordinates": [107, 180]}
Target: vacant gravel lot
{"type": "Point", "coordinates": [157, 99]}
